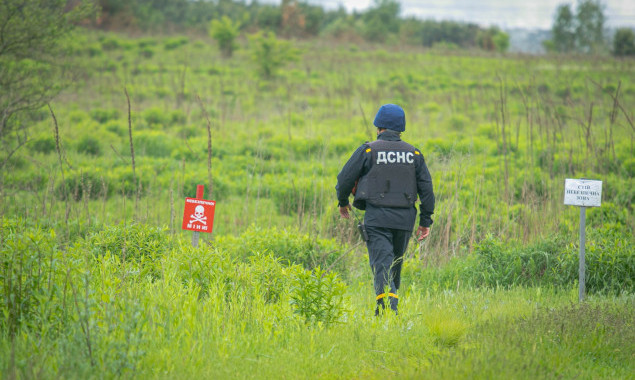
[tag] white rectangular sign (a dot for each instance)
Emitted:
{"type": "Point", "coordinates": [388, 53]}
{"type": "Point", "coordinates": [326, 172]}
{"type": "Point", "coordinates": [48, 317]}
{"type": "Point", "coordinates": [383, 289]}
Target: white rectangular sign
{"type": "Point", "coordinates": [582, 192]}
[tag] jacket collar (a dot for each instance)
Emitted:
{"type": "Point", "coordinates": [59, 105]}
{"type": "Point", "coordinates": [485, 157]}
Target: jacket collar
{"type": "Point", "coordinates": [389, 135]}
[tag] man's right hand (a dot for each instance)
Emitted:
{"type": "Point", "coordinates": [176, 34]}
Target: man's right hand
{"type": "Point", "coordinates": [422, 233]}
{"type": "Point", "coordinates": [344, 211]}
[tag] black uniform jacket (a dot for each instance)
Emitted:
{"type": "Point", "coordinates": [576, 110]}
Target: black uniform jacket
{"type": "Point", "coordinates": [389, 217]}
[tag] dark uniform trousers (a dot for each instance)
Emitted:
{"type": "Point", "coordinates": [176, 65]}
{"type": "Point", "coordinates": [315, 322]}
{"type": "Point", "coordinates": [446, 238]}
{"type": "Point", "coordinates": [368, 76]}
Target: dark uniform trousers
{"type": "Point", "coordinates": [386, 247]}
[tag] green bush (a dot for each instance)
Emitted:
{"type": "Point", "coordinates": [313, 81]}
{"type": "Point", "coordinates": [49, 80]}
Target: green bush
{"type": "Point", "coordinates": [609, 258]}
{"type": "Point", "coordinates": [224, 31]}
{"type": "Point", "coordinates": [175, 43]}
{"type": "Point", "coordinates": [317, 296]}
{"type": "Point", "coordinates": [263, 278]}
{"type": "Point", "coordinates": [501, 265]}
{"type": "Point", "coordinates": [81, 183]}
{"type": "Point", "coordinates": [549, 262]}
{"type": "Point", "coordinates": [134, 243]}
{"type": "Point", "coordinates": [296, 195]}
{"type": "Point", "coordinates": [289, 246]}
{"type": "Point", "coordinates": [217, 273]}
{"type": "Point", "coordinates": [111, 43]}
{"type": "Point", "coordinates": [117, 127]}
{"type": "Point", "coordinates": [609, 213]}
{"type": "Point", "coordinates": [201, 266]}
{"type": "Point", "coordinates": [94, 50]}
{"type": "Point", "coordinates": [102, 116]}
{"type": "Point", "coordinates": [458, 122]}
{"type": "Point", "coordinates": [32, 268]}
{"type": "Point", "coordinates": [88, 145]}
{"type": "Point", "coordinates": [42, 144]}
{"type": "Point", "coordinates": [146, 52]}
{"type": "Point", "coordinates": [156, 116]}
{"type": "Point", "coordinates": [271, 54]}
{"type": "Point", "coordinates": [153, 143]}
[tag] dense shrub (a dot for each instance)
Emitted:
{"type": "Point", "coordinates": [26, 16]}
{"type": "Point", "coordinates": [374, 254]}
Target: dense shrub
{"type": "Point", "coordinates": [458, 122]}
{"type": "Point", "coordinates": [111, 42]}
{"type": "Point", "coordinates": [146, 52]}
{"type": "Point", "coordinates": [156, 116]}
{"type": "Point", "coordinates": [42, 144]}
{"type": "Point", "coordinates": [217, 273]}
{"type": "Point", "coordinates": [270, 54]}
{"type": "Point", "coordinates": [134, 242]}
{"type": "Point", "coordinates": [88, 145]}
{"type": "Point", "coordinates": [317, 296]}
{"type": "Point", "coordinates": [32, 272]}
{"type": "Point", "coordinates": [82, 183]}
{"type": "Point", "coordinates": [153, 143]}
{"type": "Point", "coordinates": [500, 265]}
{"type": "Point", "coordinates": [609, 258]}
{"type": "Point", "coordinates": [289, 246]}
{"type": "Point", "coordinates": [104, 115]}
{"type": "Point", "coordinates": [296, 195]}
{"type": "Point", "coordinates": [551, 262]}
{"type": "Point", "coordinates": [175, 42]}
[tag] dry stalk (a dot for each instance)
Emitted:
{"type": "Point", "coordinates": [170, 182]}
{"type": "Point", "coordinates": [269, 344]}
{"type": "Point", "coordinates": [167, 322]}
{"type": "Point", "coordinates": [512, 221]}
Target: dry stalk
{"type": "Point", "coordinates": [59, 158]}
{"type": "Point", "coordinates": [86, 191]}
{"type": "Point", "coordinates": [171, 210]}
{"type": "Point", "coordinates": [209, 146]}
{"type": "Point", "coordinates": [503, 107]}
{"type": "Point", "coordinates": [367, 128]}
{"type": "Point", "coordinates": [134, 174]}
{"type": "Point", "coordinates": [104, 194]}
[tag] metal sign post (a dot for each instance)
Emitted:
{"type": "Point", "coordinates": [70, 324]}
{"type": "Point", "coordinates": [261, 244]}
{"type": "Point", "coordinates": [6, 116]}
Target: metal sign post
{"type": "Point", "coordinates": [583, 193]}
{"type": "Point", "coordinates": [581, 269]}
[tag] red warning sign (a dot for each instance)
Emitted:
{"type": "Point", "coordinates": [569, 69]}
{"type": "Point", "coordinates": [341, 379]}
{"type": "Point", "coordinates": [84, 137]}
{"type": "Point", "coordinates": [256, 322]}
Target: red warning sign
{"type": "Point", "coordinates": [198, 215]}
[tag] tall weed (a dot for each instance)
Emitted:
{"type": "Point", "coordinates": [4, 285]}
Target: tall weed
{"type": "Point", "coordinates": [317, 296]}
{"type": "Point", "coordinates": [289, 246]}
{"type": "Point", "coordinates": [550, 262]}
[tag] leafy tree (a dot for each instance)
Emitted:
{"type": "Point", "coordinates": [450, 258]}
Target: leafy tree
{"type": "Point", "coordinates": [501, 41]}
{"type": "Point", "coordinates": [268, 17]}
{"type": "Point", "coordinates": [32, 67]}
{"type": "Point", "coordinates": [493, 39]}
{"type": "Point", "coordinates": [485, 41]}
{"type": "Point", "coordinates": [590, 26]}
{"type": "Point", "coordinates": [293, 18]}
{"type": "Point", "coordinates": [582, 32]}
{"type": "Point", "coordinates": [381, 20]}
{"type": "Point", "coordinates": [224, 31]}
{"type": "Point", "coordinates": [270, 54]}
{"type": "Point", "coordinates": [624, 42]}
{"type": "Point", "coordinates": [433, 32]}
{"type": "Point", "coordinates": [563, 30]}
{"type": "Point", "coordinates": [314, 18]}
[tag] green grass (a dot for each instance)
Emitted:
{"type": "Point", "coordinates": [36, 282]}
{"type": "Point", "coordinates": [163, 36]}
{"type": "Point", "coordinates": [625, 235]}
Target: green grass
{"type": "Point", "coordinates": [98, 280]}
{"type": "Point", "coordinates": [169, 310]}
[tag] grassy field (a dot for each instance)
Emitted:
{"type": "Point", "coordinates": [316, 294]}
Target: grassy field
{"type": "Point", "coordinates": [98, 280]}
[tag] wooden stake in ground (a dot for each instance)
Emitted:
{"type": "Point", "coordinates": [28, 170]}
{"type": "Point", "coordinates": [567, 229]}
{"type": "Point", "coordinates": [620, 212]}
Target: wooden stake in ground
{"type": "Point", "coordinates": [209, 146]}
{"type": "Point", "coordinates": [134, 175]}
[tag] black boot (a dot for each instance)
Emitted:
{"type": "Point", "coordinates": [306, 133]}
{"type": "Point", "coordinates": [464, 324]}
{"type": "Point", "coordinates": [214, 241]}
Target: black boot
{"type": "Point", "coordinates": [394, 302]}
{"type": "Point", "coordinates": [380, 307]}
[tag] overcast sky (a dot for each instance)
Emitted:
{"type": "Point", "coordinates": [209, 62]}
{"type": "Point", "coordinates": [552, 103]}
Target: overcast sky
{"type": "Point", "coordinates": [504, 13]}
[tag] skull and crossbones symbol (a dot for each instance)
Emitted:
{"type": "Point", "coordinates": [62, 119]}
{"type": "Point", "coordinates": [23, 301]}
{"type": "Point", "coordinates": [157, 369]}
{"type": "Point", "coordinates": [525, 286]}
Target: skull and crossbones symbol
{"type": "Point", "coordinates": [199, 215]}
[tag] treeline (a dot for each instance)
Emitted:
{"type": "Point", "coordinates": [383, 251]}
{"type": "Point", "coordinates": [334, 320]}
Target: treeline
{"type": "Point", "coordinates": [380, 23]}
{"type": "Point", "coordinates": [583, 31]}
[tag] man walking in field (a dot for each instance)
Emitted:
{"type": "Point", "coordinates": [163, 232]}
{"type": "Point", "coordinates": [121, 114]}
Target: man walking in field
{"type": "Point", "coordinates": [386, 176]}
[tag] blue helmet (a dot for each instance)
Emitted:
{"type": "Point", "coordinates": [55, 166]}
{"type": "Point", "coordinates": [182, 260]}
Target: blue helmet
{"type": "Point", "coordinates": [391, 116]}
